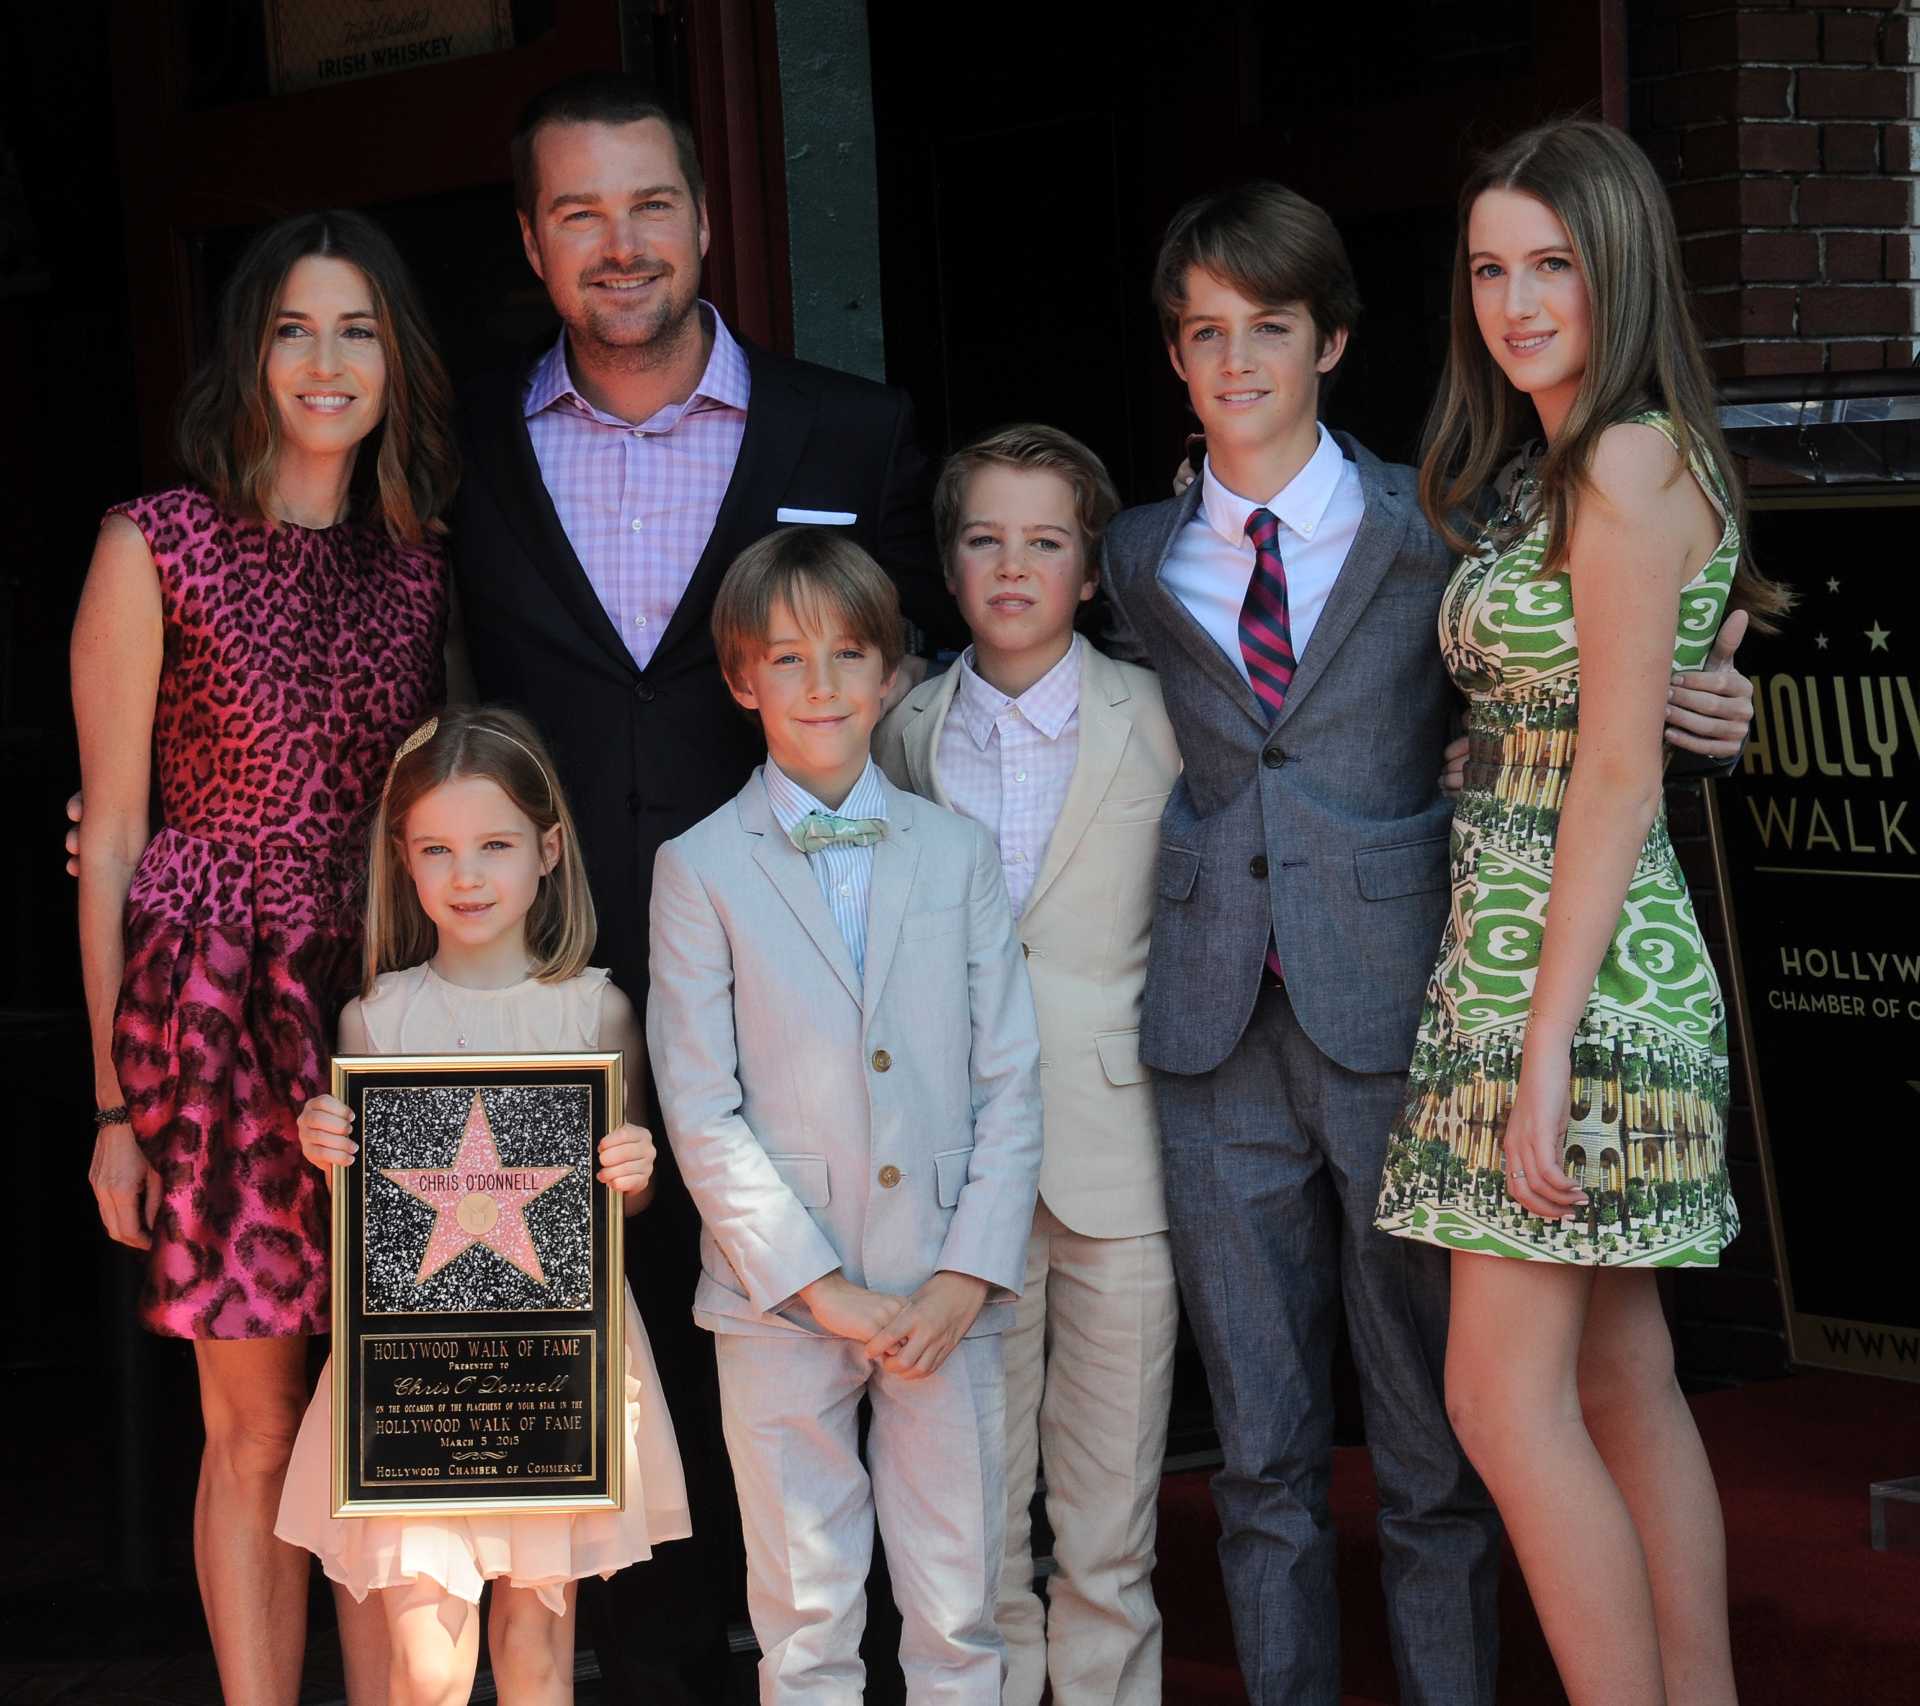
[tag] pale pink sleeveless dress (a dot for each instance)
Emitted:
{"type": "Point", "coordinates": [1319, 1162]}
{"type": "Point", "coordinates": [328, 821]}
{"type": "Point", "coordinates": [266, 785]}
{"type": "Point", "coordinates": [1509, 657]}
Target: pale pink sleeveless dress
{"type": "Point", "coordinates": [415, 1012]}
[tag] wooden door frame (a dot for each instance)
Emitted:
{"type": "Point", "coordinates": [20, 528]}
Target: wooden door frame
{"type": "Point", "coordinates": [387, 138]}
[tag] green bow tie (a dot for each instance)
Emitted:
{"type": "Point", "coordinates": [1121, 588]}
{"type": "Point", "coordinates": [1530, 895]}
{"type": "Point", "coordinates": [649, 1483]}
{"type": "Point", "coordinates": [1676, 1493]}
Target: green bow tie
{"type": "Point", "coordinates": [818, 830]}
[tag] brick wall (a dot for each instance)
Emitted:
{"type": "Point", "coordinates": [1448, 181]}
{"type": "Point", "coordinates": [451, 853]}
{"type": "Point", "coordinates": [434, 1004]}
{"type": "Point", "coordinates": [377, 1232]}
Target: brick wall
{"type": "Point", "coordinates": [1785, 129]}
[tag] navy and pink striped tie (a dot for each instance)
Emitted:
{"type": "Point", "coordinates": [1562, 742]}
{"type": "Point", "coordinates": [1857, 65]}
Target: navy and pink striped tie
{"type": "Point", "coordinates": [1266, 637]}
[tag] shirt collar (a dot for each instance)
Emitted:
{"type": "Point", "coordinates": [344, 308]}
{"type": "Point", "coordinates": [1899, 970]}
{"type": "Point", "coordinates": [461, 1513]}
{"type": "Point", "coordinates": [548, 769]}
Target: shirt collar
{"type": "Point", "coordinates": [1049, 704]}
{"type": "Point", "coordinates": [1300, 504]}
{"type": "Point", "coordinates": [791, 802]}
{"type": "Point", "coordinates": [724, 384]}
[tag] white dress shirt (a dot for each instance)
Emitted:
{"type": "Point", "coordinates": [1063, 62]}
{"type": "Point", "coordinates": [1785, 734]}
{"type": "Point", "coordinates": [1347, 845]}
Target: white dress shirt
{"type": "Point", "coordinates": [845, 873]}
{"type": "Point", "coordinates": [1210, 562]}
{"type": "Point", "coordinates": [1006, 763]}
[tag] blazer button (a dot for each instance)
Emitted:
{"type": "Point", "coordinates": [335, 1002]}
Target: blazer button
{"type": "Point", "coordinates": [643, 691]}
{"type": "Point", "coordinates": [889, 1176]}
{"type": "Point", "coordinates": [1257, 866]}
{"type": "Point", "coordinates": [633, 803]}
{"type": "Point", "coordinates": [881, 1062]}
{"type": "Point", "coordinates": [1273, 758]}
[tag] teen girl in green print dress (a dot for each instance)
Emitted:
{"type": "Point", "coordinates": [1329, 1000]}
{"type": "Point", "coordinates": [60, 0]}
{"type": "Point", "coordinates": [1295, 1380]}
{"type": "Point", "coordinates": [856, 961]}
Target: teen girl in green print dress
{"type": "Point", "coordinates": [1564, 1128]}
{"type": "Point", "coordinates": [1646, 1140]}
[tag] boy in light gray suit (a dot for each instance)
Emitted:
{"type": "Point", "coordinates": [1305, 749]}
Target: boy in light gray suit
{"type": "Point", "coordinates": [1288, 600]}
{"type": "Point", "coordinates": [844, 1042]}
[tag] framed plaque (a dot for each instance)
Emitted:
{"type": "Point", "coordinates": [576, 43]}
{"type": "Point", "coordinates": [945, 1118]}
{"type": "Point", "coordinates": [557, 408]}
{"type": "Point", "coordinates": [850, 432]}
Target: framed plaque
{"type": "Point", "coordinates": [478, 1356]}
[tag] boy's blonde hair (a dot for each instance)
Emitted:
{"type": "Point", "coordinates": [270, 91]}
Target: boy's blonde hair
{"type": "Point", "coordinates": [1028, 445]}
{"type": "Point", "coordinates": [823, 577]}
{"type": "Point", "coordinates": [502, 746]}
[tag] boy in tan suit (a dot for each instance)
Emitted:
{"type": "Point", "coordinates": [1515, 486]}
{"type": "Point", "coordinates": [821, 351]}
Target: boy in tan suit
{"type": "Point", "coordinates": [843, 1039]}
{"type": "Point", "coordinates": [1066, 757]}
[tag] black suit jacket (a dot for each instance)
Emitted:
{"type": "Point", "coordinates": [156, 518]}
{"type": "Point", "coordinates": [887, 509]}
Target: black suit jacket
{"type": "Point", "coordinates": [645, 754]}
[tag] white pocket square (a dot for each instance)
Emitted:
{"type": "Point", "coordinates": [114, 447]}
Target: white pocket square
{"type": "Point", "coordinates": [817, 517]}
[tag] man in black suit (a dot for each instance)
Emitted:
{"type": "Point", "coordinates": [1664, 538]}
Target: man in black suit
{"type": "Point", "coordinates": [605, 490]}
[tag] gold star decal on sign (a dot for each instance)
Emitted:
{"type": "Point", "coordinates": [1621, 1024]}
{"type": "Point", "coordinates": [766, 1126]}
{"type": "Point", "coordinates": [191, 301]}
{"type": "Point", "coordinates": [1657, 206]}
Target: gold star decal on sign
{"type": "Point", "coordinates": [1877, 637]}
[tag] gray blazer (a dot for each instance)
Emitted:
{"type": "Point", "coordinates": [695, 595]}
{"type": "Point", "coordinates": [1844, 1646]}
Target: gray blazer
{"type": "Point", "coordinates": [1325, 825]}
{"type": "Point", "coordinates": [890, 1126]}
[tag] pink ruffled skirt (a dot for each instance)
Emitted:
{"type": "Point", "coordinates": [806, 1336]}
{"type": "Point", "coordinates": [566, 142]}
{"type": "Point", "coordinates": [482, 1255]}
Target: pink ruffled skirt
{"type": "Point", "coordinates": [463, 1553]}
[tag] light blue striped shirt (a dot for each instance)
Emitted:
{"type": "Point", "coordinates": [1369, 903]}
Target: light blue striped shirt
{"type": "Point", "coordinates": [845, 873]}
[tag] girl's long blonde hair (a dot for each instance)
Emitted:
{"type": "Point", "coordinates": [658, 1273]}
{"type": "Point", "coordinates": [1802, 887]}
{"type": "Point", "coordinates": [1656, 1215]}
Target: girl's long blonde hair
{"type": "Point", "coordinates": [502, 746]}
{"type": "Point", "coordinates": [1644, 351]}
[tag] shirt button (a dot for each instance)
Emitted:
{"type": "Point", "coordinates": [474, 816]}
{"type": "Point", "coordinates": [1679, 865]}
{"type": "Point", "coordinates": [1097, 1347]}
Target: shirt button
{"type": "Point", "coordinates": [1019, 775]}
{"type": "Point", "coordinates": [845, 890]}
{"type": "Point", "coordinates": [890, 1176]}
{"type": "Point", "coordinates": [638, 524]}
{"type": "Point", "coordinates": [639, 621]}
{"type": "Point", "coordinates": [881, 1060]}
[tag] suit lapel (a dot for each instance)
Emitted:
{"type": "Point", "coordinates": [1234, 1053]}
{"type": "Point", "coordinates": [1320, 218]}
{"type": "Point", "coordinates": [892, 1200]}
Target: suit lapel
{"type": "Point", "coordinates": [1383, 524]}
{"type": "Point", "coordinates": [895, 858]}
{"type": "Point", "coordinates": [922, 739]}
{"type": "Point", "coordinates": [1176, 617]}
{"type": "Point", "coordinates": [779, 417]}
{"type": "Point", "coordinates": [787, 869]}
{"type": "Point", "coordinates": [505, 451]}
{"type": "Point", "coordinates": [1105, 725]}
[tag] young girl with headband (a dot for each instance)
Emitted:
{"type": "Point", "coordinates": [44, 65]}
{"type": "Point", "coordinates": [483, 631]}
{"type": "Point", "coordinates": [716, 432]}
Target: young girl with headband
{"type": "Point", "coordinates": [479, 924]}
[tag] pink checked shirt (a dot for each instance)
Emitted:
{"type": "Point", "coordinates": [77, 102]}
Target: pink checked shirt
{"type": "Point", "coordinates": [639, 500]}
{"type": "Point", "coordinates": [1006, 763]}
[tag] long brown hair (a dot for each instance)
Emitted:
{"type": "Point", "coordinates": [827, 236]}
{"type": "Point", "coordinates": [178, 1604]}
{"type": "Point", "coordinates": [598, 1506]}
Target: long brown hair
{"type": "Point", "coordinates": [1644, 352]}
{"type": "Point", "coordinates": [227, 435]}
{"type": "Point", "coordinates": [502, 746]}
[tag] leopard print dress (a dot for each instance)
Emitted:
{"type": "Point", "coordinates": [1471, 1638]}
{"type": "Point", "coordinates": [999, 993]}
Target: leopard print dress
{"type": "Point", "coordinates": [295, 661]}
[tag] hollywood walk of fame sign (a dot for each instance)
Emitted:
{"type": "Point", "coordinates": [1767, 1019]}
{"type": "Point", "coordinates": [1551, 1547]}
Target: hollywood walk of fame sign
{"type": "Point", "coordinates": [1817, 833]}
{"type": "Point", "coordinates": [478, 1345]}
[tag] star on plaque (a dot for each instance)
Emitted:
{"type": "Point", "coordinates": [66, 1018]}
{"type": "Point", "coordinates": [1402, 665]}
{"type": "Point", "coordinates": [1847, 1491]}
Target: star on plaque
{"type": "Point", "coordinates": [1877, 637]}
{"type": "Point", "coordinates": [477, 1199]}
{"type": "Point", "coordinates": [1832, 584]}
{"type": "Point", "coordinates": [1820, 640]}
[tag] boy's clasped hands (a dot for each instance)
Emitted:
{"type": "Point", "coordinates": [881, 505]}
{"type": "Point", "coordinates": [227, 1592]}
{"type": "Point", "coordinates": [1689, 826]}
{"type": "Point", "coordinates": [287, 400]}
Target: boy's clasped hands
{"type": "Point", "coordinates": [907, 1336]}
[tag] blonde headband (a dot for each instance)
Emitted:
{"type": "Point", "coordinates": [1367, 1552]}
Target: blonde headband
{"type": "Point", "coordinates": [426, 731]}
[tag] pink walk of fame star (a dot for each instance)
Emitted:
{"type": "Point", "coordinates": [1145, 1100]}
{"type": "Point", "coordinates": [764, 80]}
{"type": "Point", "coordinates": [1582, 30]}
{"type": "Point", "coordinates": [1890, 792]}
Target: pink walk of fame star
{"type": "Point", "coordinates": [478, 1200]}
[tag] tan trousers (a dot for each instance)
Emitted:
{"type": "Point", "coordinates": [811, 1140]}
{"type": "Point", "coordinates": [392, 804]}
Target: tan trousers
{"type": "Point", "coordinates": [1089, 1364]}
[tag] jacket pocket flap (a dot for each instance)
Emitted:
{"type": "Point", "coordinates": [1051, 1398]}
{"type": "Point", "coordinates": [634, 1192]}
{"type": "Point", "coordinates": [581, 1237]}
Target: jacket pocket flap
{"type": "Point", "coordinates": [1120, 1057]}
{"type": "Point", "coordinates": [1179, 871]}
{"type": "Point", "coordinates": [805, 1176]}
{"type": "Point", "coordinates": [950, 1174]}
{"type": "Point", "coordinates": [1413, 867]}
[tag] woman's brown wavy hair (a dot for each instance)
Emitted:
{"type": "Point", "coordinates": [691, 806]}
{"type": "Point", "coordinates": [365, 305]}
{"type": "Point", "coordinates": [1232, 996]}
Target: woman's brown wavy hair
{"type": "Point", "coordinates": [1644, 352]}
{"type": "Point", "coordinates": [227, 434]}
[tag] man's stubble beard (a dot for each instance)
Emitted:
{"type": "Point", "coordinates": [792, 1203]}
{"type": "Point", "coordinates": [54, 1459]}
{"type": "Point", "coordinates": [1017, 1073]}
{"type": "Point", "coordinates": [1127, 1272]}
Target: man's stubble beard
{"type": "Point", "coordinates": [620, 346]}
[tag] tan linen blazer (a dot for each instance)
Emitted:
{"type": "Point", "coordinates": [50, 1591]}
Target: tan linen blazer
{"type": "Point", "coordinates": [1084, 932]}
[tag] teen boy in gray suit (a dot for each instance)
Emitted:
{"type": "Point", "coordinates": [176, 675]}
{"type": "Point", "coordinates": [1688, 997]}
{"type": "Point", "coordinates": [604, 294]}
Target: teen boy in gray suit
{"type": "Point", "coordinates": [1288, 600]}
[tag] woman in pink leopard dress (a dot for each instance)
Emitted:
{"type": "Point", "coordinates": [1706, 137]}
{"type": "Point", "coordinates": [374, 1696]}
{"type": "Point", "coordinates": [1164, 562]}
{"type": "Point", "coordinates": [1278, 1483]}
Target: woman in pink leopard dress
{"type": "Point", "coordinates": [249, 650]}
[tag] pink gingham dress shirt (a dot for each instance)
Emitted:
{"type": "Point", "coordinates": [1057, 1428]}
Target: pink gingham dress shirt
{"type": "Point", "coordinates": [1006, 763]}
{"type": "Point", "coordinates": [638, 500]}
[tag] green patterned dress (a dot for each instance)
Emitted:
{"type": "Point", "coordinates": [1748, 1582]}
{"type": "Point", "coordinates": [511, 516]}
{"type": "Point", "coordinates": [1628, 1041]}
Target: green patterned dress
{"type": "Point", "coordinates": [1647, 1136]}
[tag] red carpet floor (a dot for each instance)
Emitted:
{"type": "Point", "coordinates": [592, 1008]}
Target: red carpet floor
{"type": "Point", "coordinates": [1818, 1615]}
